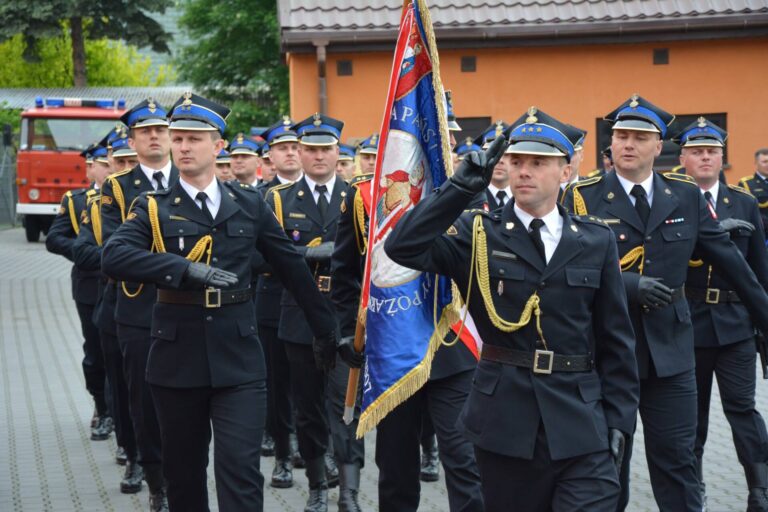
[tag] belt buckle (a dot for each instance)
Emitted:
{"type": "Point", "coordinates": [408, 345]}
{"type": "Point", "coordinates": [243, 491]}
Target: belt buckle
{"type": "Point", "coordinates": [546, 368]}
{"type": "Point", "coordinates": [713, 296]}
{"type": "Point", "coordinates": [324, 283]}
{"type": "Point", "coordinates": [212, 298]}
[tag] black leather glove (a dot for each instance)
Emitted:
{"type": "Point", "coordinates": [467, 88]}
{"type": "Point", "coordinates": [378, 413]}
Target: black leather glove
{"type": "Point", "coordinates": [474, 172]}
{"type": "Point", "coordinates": [322, 252]}
{"type": "Point", "coordinates": [617, 442]}
{"type": "Point", "coordinates": [651, 292]}
{"type": "Point", "coordinates": [324, 348]}
{"type": "Point", "coordinates": [348, 354]}
{"type": "Point", "coordinates": [203, 275]}
{"type": "Point", "coordinates": [734, 224]}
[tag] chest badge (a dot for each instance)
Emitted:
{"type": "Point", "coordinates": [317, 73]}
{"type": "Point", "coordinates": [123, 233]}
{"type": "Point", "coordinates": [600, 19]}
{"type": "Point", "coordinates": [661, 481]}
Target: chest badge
{"type": "Point", "coordinates": [622, 237]}
{"type": "Point", "coordinates": [510, 225]}
{"type": "Point", "coordinates": [295, 235]}
{"type": "Point", "coordinates": [610, 195]}
{"type": "Point", "coordinates": [300, 193]}
{"type": "Point", "coordinates": [176, 200]}
{"type": "Point", "coordinates": [678, 220]}
{"type": "Point", "coordinates": [667, 191]}
{"type": "Point", "coordinates": [500, 288]}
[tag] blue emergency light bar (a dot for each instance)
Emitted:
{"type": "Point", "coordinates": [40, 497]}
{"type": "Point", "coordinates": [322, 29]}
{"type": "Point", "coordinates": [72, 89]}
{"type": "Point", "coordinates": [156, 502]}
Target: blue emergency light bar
{"type": "Point", "coordinates": [41, 102]}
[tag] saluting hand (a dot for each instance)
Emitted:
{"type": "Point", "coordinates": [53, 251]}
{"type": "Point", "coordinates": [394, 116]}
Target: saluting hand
{"type": "Point", "coordinates": [474, 172]}
{"type": "Point", "coordinates": [201, 274]}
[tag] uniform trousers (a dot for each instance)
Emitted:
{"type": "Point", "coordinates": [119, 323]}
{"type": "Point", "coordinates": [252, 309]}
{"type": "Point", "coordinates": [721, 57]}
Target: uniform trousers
{"type": "Point", "coordinates": [134, 344]}
{"type": "Point", "coordinates": [279, 402]}
{"type": "Point", "coordinates": [235, 417]}
{"type": "Point", "coordinates": [398, 453]}
{"type": "Point", "coordinates": [118, 388]}
{"type": "Point", "coordinates": [93, 358]}
{"type": "Point", "coordinates": [308, 390]}
{"type": "Point", "coordinates": [347, 449]}
{"type": "Point", "coordinates": [668, 410]}
{"type": "Point", "coordinates": [587, 483]}
{"type": "Point", "coordinates": [734, 367]}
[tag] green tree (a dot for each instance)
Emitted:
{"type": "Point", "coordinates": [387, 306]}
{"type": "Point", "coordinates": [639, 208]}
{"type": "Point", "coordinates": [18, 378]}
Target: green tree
{"type": "Point", "coordinates": [236, 58]}
{"type": "Point", "coordinates": [110, 63]}
{"type": "Point", "coordinates": [41, 20]}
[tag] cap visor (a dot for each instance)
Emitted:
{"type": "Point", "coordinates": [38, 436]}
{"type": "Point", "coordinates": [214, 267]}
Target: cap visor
{"type": "Point", "coordinates": [319, 140]}
{"type": "Point", "coordinates": [243, 151]}
{"type": "Point", "coordinates": [191, 124]}
{"type": "Point", "coordinates": [284, 138]}
{"type": "Point", "coordinates": [369, 151]}
{"type": "Point", "coordinates": [703, 142]}
{"type": "Point", "coordinates": [637, 125]}
{"type": "Point", "coordinates": [150, 122]}
{"type": "Point", "coordinates": [123, 152]}
{"type": "Point", "coordinates": [454, 126]}
{"type": "Point", "coordinates": [529, 147]}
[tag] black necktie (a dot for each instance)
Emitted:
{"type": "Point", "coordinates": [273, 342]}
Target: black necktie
{"type": "Point", "coordinates": [322, 202]}
{"type": "Point", "coordinates": [535, 232]}
{"type": "Point", "coordinates": [202, 196]}
{"type": "Point", "coordinates": [158, 177]}
{"type": "Point", "coordinates": [501, 195]}
{"type": "Point", "coordinates": [641, 203]}
{"type": "Point", "coordinates": [710, 199]}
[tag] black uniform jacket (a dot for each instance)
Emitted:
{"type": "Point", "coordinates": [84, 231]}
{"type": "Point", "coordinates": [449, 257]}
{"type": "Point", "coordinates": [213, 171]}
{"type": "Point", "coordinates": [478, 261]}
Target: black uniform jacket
{"type": "Point", "coordinates": [120, 190]}
{"type": "Point", "coordinates": [61, 238]}
{"type": "Point", "coordinates": [196, 346]}
{"type": "Point", "coordinates": [347, 270]}
{"type": "Point", "coordinates": [268, 286]}
{"type": "Point", "coordinates": [297, 211]}
{"type": "Point", "coordinates": [727, 322]}
{"type": "Point", "coordinates": [758, 187]}
{"type": "Point", "coordinates": [584, 312]}
{"type": "Point", "coordinates": [679, 222]}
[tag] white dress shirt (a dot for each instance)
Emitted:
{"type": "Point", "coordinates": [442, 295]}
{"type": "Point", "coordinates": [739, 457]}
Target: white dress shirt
{"type": "Point", "coordinates": [647, 185]}
{"type": "Point", "coordinates": [550, 232]}
{"type": "Point", "coordinates": [312, 184]}
{"type": "Point", "coordinates": [714, 191]}
{"type": "Point", "coordinates": [212, 190]}
{"type": "Point", "coordinates": [495, 191]}
{"type": "Point", "coordinates": [149, 172]}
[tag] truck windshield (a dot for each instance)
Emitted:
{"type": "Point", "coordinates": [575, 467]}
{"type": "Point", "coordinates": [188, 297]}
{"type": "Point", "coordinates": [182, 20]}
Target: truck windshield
{"type": "Point", "coordinates": [64, 134]}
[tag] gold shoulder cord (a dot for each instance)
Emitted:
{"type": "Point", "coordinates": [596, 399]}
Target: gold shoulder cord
{"type": "Point", "coordinates": [578, 202]}
{"type": "Point", "coordinates": [358, 217]}
{"type": "Point", "coordinates": [72, 216]}
{"type": "Point", "coordinates": [278, 206]}
{"type": "Point", "coordinates": [96, 222]}
{"type": "Point", "coordinates": [117, 190]}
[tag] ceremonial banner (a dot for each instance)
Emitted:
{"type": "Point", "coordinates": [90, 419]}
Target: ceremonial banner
{"type": "Point", "coordinates": [406, 312]}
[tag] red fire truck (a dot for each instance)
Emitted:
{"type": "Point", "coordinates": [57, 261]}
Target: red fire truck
{"type": "Point", "coordinates": [53, 133]}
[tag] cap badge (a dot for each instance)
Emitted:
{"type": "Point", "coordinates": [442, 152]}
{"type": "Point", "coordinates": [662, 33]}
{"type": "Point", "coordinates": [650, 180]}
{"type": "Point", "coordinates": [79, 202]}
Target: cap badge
{"type": "Point", "coordinates": [633, 101]}
{"type": "Point", "coordinates": [468, 142]}
{"type": "Point", "coordinates": [532, 119]}
{"type": "Point", "coordinates": [187, 103]}
{"type": "Point", "coordinates": [374, 138]}
{"type": "Point", "coordinates": [152, 107]}
{"type": "Point", "coordinates": [499, 127]}
{"type": "Point", "coordinates": [702, 122]}
{"type": "Point", "coordinates": [317, 121]}
{"type": "Point", "coordinates": [239, 138]}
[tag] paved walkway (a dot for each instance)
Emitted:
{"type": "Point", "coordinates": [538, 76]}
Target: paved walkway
{"type": "Point", "coordinates": [48, 463]}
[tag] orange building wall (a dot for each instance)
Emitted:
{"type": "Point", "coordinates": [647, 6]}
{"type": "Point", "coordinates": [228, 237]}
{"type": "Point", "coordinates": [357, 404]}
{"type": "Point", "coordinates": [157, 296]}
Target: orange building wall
{"type": "Point", "coordinates": [576, 84]}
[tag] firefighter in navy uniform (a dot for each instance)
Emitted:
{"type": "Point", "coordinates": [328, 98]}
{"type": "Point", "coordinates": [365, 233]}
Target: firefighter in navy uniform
{"type": "Point", "coordinates": [87, 255]}
{"type": "Point", "coordinates": [206, 366]}
{"type": "Point", "coordinates": [555, 392]}
{"type": "Point", "coordinates": [659, 219]}
{"type": "Point", "coordinates": [308, 210]}
{"type": "Point", "coordinates": [757, 185]}
{"type": "Point", "coordinates": [60, 239]}
{"type": "Point", "coordinates": [723, 332]}
{"type": "Point", "coordinates": [148, 136]}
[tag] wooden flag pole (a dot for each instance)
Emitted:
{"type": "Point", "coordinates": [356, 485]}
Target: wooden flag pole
{"type": "Point", "coordinates": [354, 375]}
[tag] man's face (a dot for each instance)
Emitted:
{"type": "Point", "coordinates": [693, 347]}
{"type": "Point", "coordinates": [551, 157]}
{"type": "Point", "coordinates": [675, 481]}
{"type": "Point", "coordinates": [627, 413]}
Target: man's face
{"type": "Point", "coordinates": [194, 152]}
{"type": "Point", "coordinates": [319, 162]}
{"type": "Point", "coordinates": [607, 163]}
{"type": "Point", "coordinates": [152, 143]}
{"type": "Point", "coordinates": [576, 159]}
{"type": "Point", "coordinates": [125, 162]}
{"type": "Point", "coordinates": [634, 151]}
{"type": "Point", "coordinates": [345, 169]}
{"type": "Point", "coordinates": [285, 156]}
{"type": "Point", "coordinates": [535, 179]}
{"type": "Point", "coordinates": [500, 176]}
{"type": "Point", "coordinates": [244, 167]}
{"type": "Point", "coordinates": [100, 172]}
{"type": "Point", "coordinates": [268, 170]}
{"type": "Point", "coordinates": [89, 171]}
{"type": "Point", "coordinates": [223, 172]}
{"type": "Point", "coordinates": [761, 164]}
{"type": "Point", "coordinates": [702, 163]}
{"type": "Point", "coordinates": [367, 163]}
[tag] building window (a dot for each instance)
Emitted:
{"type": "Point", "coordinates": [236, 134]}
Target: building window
{"type": "Point", "coordinates": [344, 68]}
{"type": "Point", "coordinates": [471, 127]}
{"type": "Point", "coordinates": [670, 153]}
{"type": "Point", "coordinates": [660, 56]}
{"type": "Point", "coordinates": [468, 64]}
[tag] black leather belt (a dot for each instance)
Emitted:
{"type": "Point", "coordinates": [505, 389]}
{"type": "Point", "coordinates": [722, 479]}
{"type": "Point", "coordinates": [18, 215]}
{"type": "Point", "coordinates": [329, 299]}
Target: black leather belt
{"type": "Point", "coordinates": [539, 361]}
{"type": "Point", "coordinates": [210, 298]}
{"type": "Point", "coordinates": [712, 295]}
{"type": "Point", "coordinates": [323, 283]}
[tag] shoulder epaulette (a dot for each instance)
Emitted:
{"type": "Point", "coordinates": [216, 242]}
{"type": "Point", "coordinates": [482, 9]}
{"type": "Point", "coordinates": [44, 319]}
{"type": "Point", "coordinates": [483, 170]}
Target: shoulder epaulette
{"type": "Point", "coordinates": [118, 174]}
{"type": "Point", "coordinates": [678, 177]}
{"type": "Point", "coordinates": [79, 191]}
{"type": "Point", "coordinates": [282, 186]}
{"type": "Point", "coordinates": [236, 185]}
{"type": "Point", "coordinates": [480, 211]}
{"type": "Point", "coordinates": [741, 190]}
{"type": "Point", "coordinates": [360, 178]}
{"type": "Point", "coordinates": [586, 182]}
{"type": "Point", "coordinates": [596, 173]}
{"type": "Point", "coordinates": [91, 192]}
{"type": "Point", "coordinates": [590, 219]}
{"type": "Point", "coordinates": [159, 192]}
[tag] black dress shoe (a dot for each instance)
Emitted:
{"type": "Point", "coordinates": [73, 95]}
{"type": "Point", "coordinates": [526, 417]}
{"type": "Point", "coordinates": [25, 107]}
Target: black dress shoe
{"type": "Point", "coordinates": [131, 483]}
{"type": "Point", "coordinates": [120, 457]}
{"type": "Point", "coordinates": [267, 445]}
{"type": "Point", "coordinates": [758, 500]}
{"type": "Point", "coordinates": [318, 500]}
{"type": "Point", "coordinates": [158, 501]}
{"type": "Point", "coordinates": [102, 429]}
{"type": "Point", "coordinates": [430, 471]}
{"type": "Point", "coordinates": [331, 471]}
{"type": "Point", "coordinates": [282, 474]}
{"type": "Point", "coordinates": [349, 486]}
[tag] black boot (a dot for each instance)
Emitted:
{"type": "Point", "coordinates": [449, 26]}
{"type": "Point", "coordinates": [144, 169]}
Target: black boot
{"type": "Point", "coordinates": [102, 429]}
{"type": "Point", "coordinates": [331, 471]}
{"type": "Point", "coordinates": [282, 474]}
{"type": "Point", "coordinates": [757, 481]}
{"type": "Point", "coordinates": [120, 456]}
{"type": "Point", "coordinates": [349, 485]}
{"type": "Point", "coordinates": [296, 459]}
{"type": "Point", "coordinates": [131, 483]}
{"type": "Point", "coordinates": [430, 471]}
{"type": "Point", "coordinates": [267, 445]}
{"type": "Point", "coordinates": [158, 501]}
{"type": "Point", "coordinates": [702, 486]}
{"type": "Point", "coordinates": [318, 486]}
